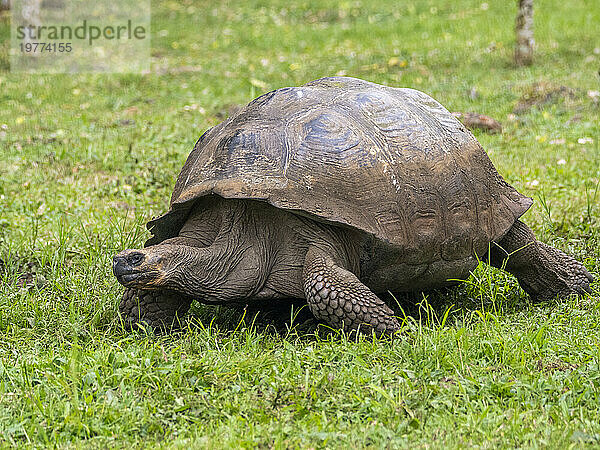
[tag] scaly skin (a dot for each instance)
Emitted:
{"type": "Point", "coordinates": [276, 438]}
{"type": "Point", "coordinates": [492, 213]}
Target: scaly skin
{"type": "Point", "coordinates": [337, 297]}
{"type": "Point", "coordinates": [543, 272]}
{"type": "Point", "coordinates": [161, 310]}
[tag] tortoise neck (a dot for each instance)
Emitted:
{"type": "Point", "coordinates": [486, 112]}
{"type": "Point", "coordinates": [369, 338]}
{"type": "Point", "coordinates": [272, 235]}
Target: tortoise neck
{"type": "Point", "coordinates": [194, 271]}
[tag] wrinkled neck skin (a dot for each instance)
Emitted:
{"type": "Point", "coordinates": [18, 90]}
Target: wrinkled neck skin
{"type": "Point", "coordinates": [218, 256]}
{"type": "Point", "coordinates": [187, 269]}
{"type": "Point", "coordinates": [236, 250]}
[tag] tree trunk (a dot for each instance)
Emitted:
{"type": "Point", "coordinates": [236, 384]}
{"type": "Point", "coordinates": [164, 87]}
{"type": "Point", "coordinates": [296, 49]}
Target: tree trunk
{"type": "Point", "coordinates": [524, 31]}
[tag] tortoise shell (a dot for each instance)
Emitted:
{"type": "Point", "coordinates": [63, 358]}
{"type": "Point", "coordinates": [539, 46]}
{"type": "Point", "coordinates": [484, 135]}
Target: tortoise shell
{"type": "Point", "coordinates": [391, 162]}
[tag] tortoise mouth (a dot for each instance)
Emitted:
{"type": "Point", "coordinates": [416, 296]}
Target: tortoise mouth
{"type": "Point", "coordinates": [136, 278]}
{"type": "Point", "coordinates": [128, 277]}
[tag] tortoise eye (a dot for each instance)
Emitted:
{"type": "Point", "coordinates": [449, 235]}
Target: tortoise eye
{"type": "Point", "coordinates": [135, 258]}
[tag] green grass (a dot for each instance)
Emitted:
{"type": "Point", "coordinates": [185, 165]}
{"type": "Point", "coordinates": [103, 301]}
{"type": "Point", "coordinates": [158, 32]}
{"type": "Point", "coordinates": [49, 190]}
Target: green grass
{"type": "Point", "coordinates": [87, 159]}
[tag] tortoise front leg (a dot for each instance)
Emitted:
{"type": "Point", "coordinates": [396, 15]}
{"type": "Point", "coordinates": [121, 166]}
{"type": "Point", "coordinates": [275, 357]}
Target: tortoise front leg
{"type": "Point", "coordinates": [161, 310]}
{"type": "Point", "coordinates": [336, 296]}
{"type": "Point", "coordinates": [544, 272]}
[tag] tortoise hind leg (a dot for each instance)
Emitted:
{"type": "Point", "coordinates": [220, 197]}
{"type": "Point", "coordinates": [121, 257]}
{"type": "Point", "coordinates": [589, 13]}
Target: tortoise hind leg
{"type": "Point", "coordinates": [161, 310]}
{"type": "Point", "coordinates": [337, 297]}
{"type": "Point", "coordinates": [544, 272]}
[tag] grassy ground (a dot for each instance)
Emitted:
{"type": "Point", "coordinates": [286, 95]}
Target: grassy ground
{"type": "Point", "coordinates": [87, 159]}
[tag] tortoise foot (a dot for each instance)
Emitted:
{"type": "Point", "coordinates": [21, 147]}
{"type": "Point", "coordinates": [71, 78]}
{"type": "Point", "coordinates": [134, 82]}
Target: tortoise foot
{"type": "Point", "coordinates": [544, 272]}
{"type": "Point", "coordinates": [338, 298]}
{"type": "Point", "coordinates": [160, 310]}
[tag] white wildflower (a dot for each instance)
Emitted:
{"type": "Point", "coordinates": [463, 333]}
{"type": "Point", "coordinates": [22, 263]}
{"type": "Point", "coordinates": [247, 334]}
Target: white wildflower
{"type": "Point", "coordinates": [194, 107]}
{"type": "Point", "coordinates": [594, 95]}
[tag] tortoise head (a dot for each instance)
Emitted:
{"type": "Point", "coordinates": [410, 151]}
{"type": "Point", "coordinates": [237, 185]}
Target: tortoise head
{"type": "Point", "coordinates": [172, 265]}
{"type": "Point", "coordinates": [147, 268]}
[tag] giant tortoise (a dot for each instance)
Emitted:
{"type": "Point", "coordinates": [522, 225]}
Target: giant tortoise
{"type": "Point", "coordinates": [334, 192]}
